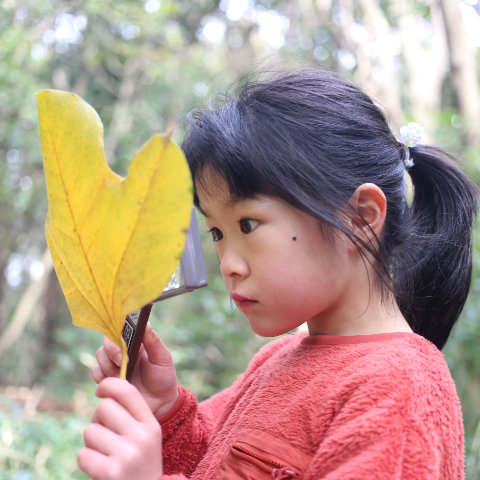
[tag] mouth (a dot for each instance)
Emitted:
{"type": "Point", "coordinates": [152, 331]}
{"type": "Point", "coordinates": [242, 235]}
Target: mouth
{"type": "Point", "coordinates": [242, 302]}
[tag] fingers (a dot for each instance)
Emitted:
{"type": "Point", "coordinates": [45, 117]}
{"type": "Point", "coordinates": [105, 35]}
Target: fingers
{"type": "Point", "coordinates": [101, 439]}
{"type": "Point", "coordinates": [154, 377]}
{"type": "Point", "coordinates": [109, 358]}
{"type": "Point", "coordinates": [112, 351]}
{"type": "Point", "coordinates": [91, 462]}
{"type": "Point", "coordinates": [157, 352]}
{"type": "Point", "coordinates": [125, 440]}
{"type": "Point", "coordinates": [127, 397]}
{"type": "Point", "coordinates": [97, 374]}
{"type": "Point", "coordinates": [112, 415]}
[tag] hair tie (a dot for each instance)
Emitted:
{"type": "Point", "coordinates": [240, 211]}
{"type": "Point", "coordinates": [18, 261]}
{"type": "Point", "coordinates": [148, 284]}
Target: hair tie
{"type": "Point", "coordinates": [410, 136]}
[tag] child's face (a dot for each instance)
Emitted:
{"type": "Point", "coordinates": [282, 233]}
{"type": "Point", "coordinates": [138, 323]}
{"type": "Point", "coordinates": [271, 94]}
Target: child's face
{"type": "Point", "coordinates": [279, 269]}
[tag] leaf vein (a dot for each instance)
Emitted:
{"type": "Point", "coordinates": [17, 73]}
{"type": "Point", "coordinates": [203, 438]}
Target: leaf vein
{"type": "Point", "coordinates": [56, 156]}
{"type": "Point", "coordinates": [77, 287]}
{"type": "Point", "coordinates": [127, 245]}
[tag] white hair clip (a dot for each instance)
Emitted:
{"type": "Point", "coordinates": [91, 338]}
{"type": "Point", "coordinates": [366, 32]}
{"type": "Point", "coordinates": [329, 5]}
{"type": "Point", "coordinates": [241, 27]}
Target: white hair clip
{"type": "Point", "coordinates": [410, 136]}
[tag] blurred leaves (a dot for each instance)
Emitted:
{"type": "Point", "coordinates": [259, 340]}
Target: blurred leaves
{"type": "Point", "coordinates": [142, 64]}
{"type": "Point", "coordinates": [39, 447]}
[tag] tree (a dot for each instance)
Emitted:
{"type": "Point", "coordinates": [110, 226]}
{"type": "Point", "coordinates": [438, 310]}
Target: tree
{"type": "Point", "coordinates": [464, 74]}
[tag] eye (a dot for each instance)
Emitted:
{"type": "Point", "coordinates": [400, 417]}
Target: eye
{"type": "Point", "coordinates": [247, 225]}
{"type": "Point", "coordinates": [217, 234]}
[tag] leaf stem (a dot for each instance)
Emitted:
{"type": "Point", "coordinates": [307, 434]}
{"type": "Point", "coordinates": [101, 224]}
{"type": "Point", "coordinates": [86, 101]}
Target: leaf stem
{"type": "Point", "coordinates": [123, 368]}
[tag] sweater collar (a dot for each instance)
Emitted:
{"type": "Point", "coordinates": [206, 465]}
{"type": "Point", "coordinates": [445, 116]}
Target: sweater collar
{"type": "Point", "coordinates": [313, 340]}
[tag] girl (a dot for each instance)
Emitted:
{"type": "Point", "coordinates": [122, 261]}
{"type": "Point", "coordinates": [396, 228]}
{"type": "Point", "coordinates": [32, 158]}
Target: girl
{"type": "Point", "coordinates": [302, 185]}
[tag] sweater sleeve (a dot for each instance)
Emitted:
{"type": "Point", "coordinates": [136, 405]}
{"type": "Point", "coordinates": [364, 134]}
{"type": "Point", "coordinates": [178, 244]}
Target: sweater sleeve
{"type": "Point", "coordinates": [393, 427]}
{"type": "Point", "coordinates": [187, 430]}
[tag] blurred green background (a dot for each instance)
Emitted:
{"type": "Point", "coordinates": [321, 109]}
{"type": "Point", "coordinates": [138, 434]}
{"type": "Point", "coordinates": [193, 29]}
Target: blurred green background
{"type": "Point", "coordinates": [143, 65]}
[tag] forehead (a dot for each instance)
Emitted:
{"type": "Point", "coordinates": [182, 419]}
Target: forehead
{"type": "Point", "coordinates": [212, 191]}
{"type": "Point", "coordinates": [214, 195]}
{"type": "Point", "coordinates": [210, 184]}
{"type": "Point", "coordinates": [211, 187]}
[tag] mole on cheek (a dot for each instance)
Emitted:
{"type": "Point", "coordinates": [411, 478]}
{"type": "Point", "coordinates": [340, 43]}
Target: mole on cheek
{"type": "Point", "coordinates": [294, 238]}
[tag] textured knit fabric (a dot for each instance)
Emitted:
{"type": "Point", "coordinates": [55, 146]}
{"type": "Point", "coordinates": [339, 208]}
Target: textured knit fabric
{"type": "Point", "coordinates": [362, 407]}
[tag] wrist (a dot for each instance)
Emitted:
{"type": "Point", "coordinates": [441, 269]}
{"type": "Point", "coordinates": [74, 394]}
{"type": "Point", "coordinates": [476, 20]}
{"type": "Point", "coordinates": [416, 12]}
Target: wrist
{"type": "Point", "coordinates": [166, 407]}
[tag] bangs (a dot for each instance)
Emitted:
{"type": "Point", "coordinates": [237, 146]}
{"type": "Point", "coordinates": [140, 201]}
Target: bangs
{"type": "Point", "coordinates": [221, 142]}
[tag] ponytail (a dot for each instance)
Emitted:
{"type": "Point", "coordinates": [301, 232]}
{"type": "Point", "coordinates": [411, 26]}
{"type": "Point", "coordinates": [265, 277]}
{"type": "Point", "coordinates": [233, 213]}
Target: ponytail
{"type": "Point", "coordinates": [434, 275]}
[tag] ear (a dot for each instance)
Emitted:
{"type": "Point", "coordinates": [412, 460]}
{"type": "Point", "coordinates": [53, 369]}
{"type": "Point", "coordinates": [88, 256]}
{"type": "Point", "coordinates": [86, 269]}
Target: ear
{"type": "Point", "coordinates": [370, 208]}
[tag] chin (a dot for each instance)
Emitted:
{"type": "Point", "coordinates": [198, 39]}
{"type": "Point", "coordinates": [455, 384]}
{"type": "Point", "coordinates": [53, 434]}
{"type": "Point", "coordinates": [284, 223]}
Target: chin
{"type": "Point", "coordinates": [268, 331]}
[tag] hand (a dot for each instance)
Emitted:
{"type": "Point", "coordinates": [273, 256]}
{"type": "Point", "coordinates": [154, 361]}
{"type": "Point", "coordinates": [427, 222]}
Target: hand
{"type": "Point", "coordinates": [124, 440]}
{"type": "Point", "coordinates": [154, 374]}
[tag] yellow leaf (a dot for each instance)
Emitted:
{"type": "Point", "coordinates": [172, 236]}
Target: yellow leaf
{"type": "Point", "coordinates": [114, 241]}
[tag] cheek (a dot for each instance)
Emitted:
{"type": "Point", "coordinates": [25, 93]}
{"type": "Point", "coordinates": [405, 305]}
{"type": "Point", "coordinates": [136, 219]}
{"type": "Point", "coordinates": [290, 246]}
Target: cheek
{"type": "Point", "coordinates": [304, 271]}
{"type": "Point", "coordinates": [283, 272]}
{"type": "Point", "coordinates": [274, 260]}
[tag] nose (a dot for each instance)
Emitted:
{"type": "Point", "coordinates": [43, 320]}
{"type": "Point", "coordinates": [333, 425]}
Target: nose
{"type": "Point", "coordinates": [233, 264]}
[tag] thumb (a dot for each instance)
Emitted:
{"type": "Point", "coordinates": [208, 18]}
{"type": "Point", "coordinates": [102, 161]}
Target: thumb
{"type": "Point", "coordinates": [157, 352]}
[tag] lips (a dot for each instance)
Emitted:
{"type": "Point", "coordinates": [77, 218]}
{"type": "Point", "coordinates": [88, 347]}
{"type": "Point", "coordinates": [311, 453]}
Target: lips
{"type": "Point", "coordinates": [242, 302]}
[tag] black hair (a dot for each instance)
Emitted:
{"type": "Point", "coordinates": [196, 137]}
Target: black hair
{"type": "Point", "coordinates": [311, 138]}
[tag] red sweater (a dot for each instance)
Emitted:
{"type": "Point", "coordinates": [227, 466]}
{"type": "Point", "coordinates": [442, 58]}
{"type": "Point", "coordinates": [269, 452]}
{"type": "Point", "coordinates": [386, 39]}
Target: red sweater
{"type": "Point", "coordinates": [324, 407]}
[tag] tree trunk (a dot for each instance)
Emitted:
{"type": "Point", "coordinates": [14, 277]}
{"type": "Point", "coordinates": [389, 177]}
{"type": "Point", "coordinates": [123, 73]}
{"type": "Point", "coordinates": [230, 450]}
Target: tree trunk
{"type": "Point", "coordinates": [376, 71]}
{"type": "Point", "coordinates": [385, 85]}
{"type": "Point", "coordinates": [53, 310]}
{"type": "Point", "coordinates": [465, 81]}
{"type": "Point", "coordinates": [424, 53]}
{"type": "Point", "coordinates": [30, 299]}
{"type": "Point", "coordinates": [121, 117]}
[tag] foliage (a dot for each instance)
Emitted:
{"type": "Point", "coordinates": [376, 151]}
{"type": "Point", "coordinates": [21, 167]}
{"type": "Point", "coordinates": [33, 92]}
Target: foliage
{"type": "Point", "coordinates": [142, 64]}
{"type": "Point", "coordinates": [461, 353]}
{"type": "Point", "coordinates": [41, 447]}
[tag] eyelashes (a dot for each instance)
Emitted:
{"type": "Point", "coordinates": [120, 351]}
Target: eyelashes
{"type": "Point", "coordinates": [246, 225]}
{"type": "Point", "coordinates": [217, 235]}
